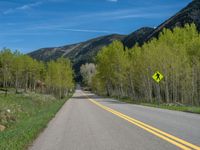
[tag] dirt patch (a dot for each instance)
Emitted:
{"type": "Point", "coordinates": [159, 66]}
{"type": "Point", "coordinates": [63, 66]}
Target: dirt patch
{"type": "Point", "coordinates": [2, 128]}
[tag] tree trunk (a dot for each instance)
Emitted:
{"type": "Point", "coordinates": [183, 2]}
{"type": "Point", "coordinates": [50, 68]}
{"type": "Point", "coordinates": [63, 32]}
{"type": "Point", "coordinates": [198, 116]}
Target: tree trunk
{"type": "Point", "coordinates": [16, 83]}
{"type": "Point", "coordinates": [26, 83]}
{"type": "Point", "coordinates": [166, 89]}
{"type": "Point", "coordinates": [158, 93]}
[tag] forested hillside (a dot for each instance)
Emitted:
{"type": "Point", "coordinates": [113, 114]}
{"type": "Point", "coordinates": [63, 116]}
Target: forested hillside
{"type": "Point", "coordinates": [189, 14]}
{"type": "Point", "coordinates": [128, 73]}
{"type": "Point", "coordinates": [24, 73]}
{"type": "Point", "coordinates": [85, 52]}
{"type": "Point", "coordinates": [139, 36]}
{"type": "Point", "coordinates": [79, 53]}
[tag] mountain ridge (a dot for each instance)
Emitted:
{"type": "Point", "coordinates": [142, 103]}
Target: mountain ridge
{"type": "Point", "coordinates": [83, 52]}
{"type": "Point", "coordinates": [49, 53]}
{"type": "Point", "coordinates": [187, 15]}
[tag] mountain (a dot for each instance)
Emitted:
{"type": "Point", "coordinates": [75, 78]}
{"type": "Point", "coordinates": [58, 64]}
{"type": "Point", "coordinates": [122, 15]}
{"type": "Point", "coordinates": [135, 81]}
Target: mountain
{"type": "Point", "coordinates": [79, 53]}
{"type": "Point", "coordinates": [189, 14]}
{"type": "Point", "coordinates": [83, 52]}
{"type": "Point", "coordinates": [138, 36]}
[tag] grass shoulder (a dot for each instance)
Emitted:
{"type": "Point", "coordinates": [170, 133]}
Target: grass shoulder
{"type": "Point", "coordinates": [169, 106]}
{"type": "Point", "coordinates": [25, 116]}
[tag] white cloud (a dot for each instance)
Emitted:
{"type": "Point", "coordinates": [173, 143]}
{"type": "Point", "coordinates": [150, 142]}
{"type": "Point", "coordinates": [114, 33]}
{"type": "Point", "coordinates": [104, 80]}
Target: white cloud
{"type": "Point", "coordinates": [8, 11]}
{"type": "Point", "coordinates": [139, 12]}
{"type": "Point", "coordinates": [140, 15]}
{"type": "Point", "coordinates": [112, 0]}
{"type": "Point", "coordinates": [28, 6]}
{"type": "Point", "coordinates": [56, 0]}
{"type": "Point", "coordinates": [23, 7]}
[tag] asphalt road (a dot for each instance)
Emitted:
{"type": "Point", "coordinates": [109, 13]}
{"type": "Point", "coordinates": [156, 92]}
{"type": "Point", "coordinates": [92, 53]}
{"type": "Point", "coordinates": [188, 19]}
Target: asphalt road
{"type": "Point", "coordinates": [89, 122]}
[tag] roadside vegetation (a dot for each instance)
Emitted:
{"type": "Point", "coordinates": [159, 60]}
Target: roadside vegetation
{"type": "Point", "coordinates": [170, 106]}
{"type": "Point", "coordinates": [87, 71]}
{"type": "Point", "coordinates": [31, 92]}
{"type": "Point", "coordinates": [127, 73]}
{"type": "Point", "coordinates": [24, 73]}
{"type": "Point", "coordinates": [24, 116]}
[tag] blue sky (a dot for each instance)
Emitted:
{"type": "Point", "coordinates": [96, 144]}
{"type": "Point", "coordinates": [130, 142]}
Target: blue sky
{"type": "Point", "coordinates": [27, 25]}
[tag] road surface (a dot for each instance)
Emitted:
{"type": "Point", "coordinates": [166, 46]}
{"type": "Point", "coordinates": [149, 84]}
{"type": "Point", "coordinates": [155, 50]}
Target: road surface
{"type": "Point", "coordinates": [89, 122]}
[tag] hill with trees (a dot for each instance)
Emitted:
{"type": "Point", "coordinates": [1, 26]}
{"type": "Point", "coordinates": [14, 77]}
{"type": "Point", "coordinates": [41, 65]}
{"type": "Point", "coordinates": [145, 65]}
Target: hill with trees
{"type": "Point", "coordinates": [128, 73]}
{"type": "Point", "coordinates": [139, 36]}
{"type": "Point", "coordinates": [190, 14]}
{"type": "Point", "coordinates": [85, 52]}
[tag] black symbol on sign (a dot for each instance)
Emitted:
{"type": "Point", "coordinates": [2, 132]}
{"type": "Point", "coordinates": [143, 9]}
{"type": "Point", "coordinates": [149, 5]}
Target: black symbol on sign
{"type": "Point", "coordinates": [157, 76]}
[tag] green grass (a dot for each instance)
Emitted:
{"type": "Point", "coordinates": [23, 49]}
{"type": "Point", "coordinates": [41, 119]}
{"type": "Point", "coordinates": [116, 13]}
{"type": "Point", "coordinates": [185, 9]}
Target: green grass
{"type": "Point", "coordinates": [29, 115]}
{"type": "Point", "coordinates": [170, 106]}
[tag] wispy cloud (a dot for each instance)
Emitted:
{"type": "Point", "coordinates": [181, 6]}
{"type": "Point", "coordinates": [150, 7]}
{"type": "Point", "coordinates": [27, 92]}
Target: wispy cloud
{"type": "Point", "coordinates": [23, 7]}
{"type": "Point", "coordinates": [28, 6]}
{"type": "Point", "coordinates": [50, 30]}
{"type": "Point", "coordinates": [142, 15]}
{"type": "Point", "coordinates": [112, 0]}
{"type": "Point", "coordinates": [8, 11]}
{"type": "Point", "coordinates": [63, 28]}
{"type": "Point", "coordinates": [57, 1]}
{"type": "Point", "coordinates": [141, 12]}
{"type": "Point", "coordinates": [78, 23]}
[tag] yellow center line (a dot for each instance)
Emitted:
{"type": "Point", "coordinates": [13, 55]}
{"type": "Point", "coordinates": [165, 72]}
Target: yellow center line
{"type": "Point", "coordinates": [161, 134]}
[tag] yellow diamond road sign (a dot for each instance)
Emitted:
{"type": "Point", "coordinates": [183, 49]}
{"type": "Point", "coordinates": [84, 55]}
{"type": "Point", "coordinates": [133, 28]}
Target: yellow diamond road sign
{"type": "Point", "coordinates": [157, 76]}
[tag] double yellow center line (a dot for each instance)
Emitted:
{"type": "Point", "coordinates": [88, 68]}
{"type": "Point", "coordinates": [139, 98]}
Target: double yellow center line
{"type": "Point", "coordinates": [161, 134]}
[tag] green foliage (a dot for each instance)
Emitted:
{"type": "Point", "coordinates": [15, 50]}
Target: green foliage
{"type": "Point", "coordinates": [22, 72]}
{"type": "Point", "coordinates": [59, 77]}
{"type": "Point", "coordinates": [170, 106]}
{"type": "Point", "coordinates": [6, 59]}
{"type": "Point", "coordinates": [25, 114]}
{"type": "Point", "coordinates": [29, 113]}
{"type": "Point", "coordinates": [110, 65]}
{"type": "Point", "coordinates": [128, 72]}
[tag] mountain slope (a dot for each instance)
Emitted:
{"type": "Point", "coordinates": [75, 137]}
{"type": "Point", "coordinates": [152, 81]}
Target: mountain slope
{"type": "Point", "coordinates": [79, 53]}
{"type": "Point", "coordinates": [138, 36]}
{"type": "Point", "coordinates": [75, 51]}
{"type": "Point", "coordinates": [189, 14]}
{"type": "Point", "coordinates": [83, 52]}
{"type": "Point", "coordinates": [86, 51]}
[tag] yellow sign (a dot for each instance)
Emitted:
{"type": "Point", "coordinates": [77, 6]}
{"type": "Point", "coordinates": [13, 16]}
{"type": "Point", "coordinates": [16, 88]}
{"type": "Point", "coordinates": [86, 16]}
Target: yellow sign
{"type": "Point", "coordinates": [157, 77]}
